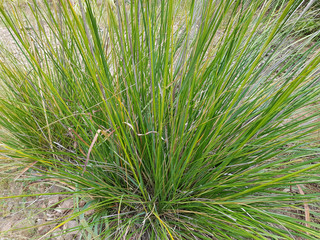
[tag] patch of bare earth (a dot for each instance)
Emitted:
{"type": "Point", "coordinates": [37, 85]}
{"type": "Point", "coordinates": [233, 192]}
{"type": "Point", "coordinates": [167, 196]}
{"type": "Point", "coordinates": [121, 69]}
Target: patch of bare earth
{"type": "Point", "coordinates": [32, 217]}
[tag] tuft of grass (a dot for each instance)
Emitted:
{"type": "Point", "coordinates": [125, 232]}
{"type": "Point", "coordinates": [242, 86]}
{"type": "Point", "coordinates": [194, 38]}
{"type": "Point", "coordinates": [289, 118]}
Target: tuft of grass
{"type": "Point", "coordinates": [310, 23]}
{"type": "Point", "coordinates": [173, 122]}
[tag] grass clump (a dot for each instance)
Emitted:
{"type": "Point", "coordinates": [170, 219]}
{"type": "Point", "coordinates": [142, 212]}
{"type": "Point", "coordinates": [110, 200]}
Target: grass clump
{"type": "Point", "coordinates": [310, 23]}
{"type": "Point", "coordinates": [173, 123]}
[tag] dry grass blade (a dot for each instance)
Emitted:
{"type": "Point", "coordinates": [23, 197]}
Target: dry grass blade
{"type": "Point", "coordinates": [24, 170]}
{"type": "Point", "coordinates": [306, 208]}
{"type": "Point", "coordinates": [90, 149]}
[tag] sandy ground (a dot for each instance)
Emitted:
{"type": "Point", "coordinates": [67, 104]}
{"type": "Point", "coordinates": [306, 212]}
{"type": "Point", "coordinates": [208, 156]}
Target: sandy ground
{"type": "Point", "coordinates": [8, 41]}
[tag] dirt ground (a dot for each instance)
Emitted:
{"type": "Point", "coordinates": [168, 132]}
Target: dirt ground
{"type": "Point", "coordinates": [8, 41]}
